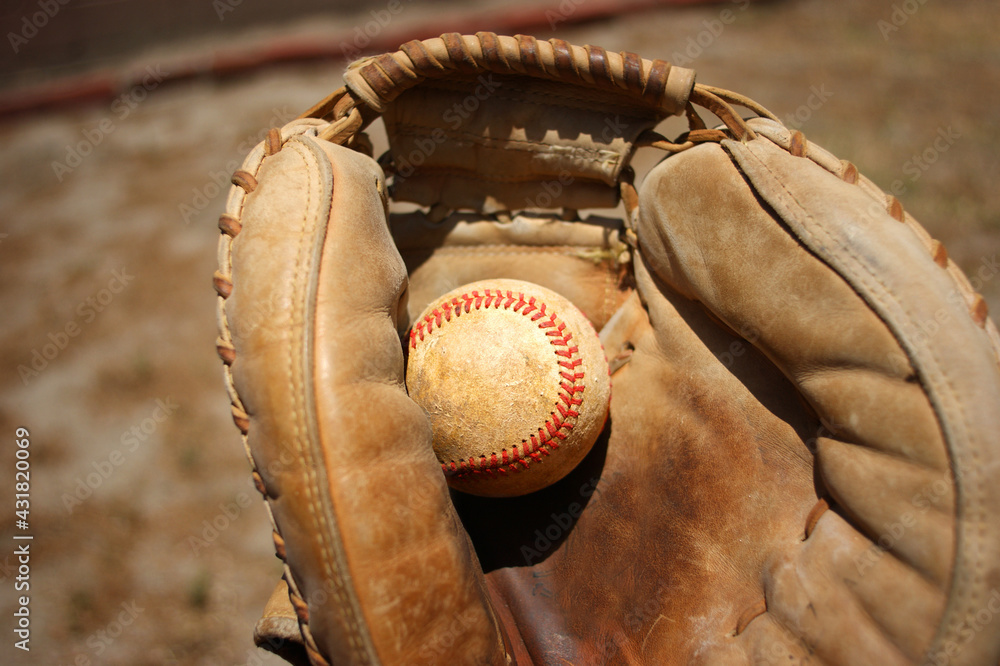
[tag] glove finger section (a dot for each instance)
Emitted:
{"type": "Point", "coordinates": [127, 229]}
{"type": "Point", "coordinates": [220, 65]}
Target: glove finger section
{"type": "Point", "coordinates": [831, 600]}
{"type": "Point", "coordinates": [949, 346]}
{"type": "Point", "coordinates": [907, 507]}
{"type": "Point", "coordinates": [704, 232]}
{"type": "Point", "coordinates": [838, 295]}
{"type": "Point", "coordinates": [879, 581]}
{"type": "Point", "coordinates": [377, 564]}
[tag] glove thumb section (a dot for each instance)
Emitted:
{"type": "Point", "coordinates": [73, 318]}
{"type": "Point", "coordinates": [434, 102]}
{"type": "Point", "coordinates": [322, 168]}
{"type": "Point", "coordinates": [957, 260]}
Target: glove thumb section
{"type": "Point", "coordinates": [376, 560]}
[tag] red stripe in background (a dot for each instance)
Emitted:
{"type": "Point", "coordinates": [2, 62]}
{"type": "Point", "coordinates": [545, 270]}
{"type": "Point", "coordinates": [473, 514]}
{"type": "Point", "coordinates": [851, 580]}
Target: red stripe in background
{"type": "Point", "coordinates": [103, 86]}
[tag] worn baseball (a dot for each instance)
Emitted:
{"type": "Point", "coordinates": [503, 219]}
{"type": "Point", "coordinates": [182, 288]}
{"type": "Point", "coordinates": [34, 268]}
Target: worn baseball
{"type": "Point", "coordinates": [515, 382]}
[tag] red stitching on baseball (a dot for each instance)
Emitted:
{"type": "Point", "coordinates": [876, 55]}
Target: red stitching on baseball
{"type": "Point", "coordinates": [556, 427]}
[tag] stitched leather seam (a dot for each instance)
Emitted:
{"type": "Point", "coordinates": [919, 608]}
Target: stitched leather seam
{"type": "Point", "coordinates": [295, 359]}
{"type": "Point", "coordinates": [234, 210]}
{"type": "Point", "coordinates": [295, 595]}
{"type": "Point", "coordinates": [879, 292]}
{"type": "Point", "coordinates": [849, 173]}
{"type": "Point", "coordinates": [556, 428]}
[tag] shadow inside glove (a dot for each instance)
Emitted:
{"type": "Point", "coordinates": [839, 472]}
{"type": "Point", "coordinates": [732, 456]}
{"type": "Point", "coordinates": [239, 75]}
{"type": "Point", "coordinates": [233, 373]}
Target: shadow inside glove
{"type": "Point", "coordinates": [525, 530]}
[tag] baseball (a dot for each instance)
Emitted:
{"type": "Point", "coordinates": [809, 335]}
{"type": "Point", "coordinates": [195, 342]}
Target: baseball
{"type": "Point", "coordinates": [514, 380]}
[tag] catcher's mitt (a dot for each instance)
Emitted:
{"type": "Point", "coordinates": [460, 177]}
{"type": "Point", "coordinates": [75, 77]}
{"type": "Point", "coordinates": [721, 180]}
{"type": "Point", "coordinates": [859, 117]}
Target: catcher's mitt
{"type": "Point", "coordinates": [801, 461]}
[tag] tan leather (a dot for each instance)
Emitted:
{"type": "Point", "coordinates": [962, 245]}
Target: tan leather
{"type": "Point", "coordinates": [957, 372]}
{"type": "Point", "coordinates": [495, 123]}
{"type": "Point", "coordinates": [492, 143]}
{"type": "Point", "coordinates": [581, 260]}
{"type": "Point", "coordinates": [801, 463]}
{"type": "Point", "coordinates": [379, 80]}
{"type": "Point", "coordinates": [307, 229]}
{"type": "Point", "coordinates": [277, 630]}
{"type": "Point", "coordinates": [881, 445]}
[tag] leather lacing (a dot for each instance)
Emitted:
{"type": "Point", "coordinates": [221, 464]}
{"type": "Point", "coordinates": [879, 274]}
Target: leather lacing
{"type": "Point", "coordinates": [230, 226]}
{"type": "Point", "coordinates": [796, 144]}
{"type": "Point", "coordinates": [347, 116]}
{"type": "Point", "coordinates": [625, 73]}
{"type": "Point", "coordinates": [655, 84]}
{"type": "Point", "coordinates": [821, 507]}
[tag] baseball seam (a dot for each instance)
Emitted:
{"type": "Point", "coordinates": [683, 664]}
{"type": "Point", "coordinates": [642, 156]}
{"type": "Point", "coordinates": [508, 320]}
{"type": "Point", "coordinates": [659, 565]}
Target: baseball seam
{"type": "Point", "coordinates": [561, 419]}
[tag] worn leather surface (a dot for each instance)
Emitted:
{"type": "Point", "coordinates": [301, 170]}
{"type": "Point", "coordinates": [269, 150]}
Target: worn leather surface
{"type": "Point", "coordinates": [580, 260]}
{"type": "Point", "coordinates": [322, 417]}
{"type": "Point", "coordinates": [494, 143]}
{"type": "Point", "coordinates": [379, 80]}
{"type": "Point", "coordinates": [773, 355]}
{"type": "Point", "coordinates": [277, 630]}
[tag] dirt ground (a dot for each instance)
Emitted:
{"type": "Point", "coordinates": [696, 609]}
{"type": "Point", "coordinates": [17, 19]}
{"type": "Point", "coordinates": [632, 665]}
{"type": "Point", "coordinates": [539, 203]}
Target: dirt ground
{"type": "Point", "coordinates": [151, 545]}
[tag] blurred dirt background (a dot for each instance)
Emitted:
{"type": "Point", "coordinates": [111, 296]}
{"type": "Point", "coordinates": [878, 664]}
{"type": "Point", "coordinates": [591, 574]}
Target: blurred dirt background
{"type": "Point", "coordinates": [150, 544]}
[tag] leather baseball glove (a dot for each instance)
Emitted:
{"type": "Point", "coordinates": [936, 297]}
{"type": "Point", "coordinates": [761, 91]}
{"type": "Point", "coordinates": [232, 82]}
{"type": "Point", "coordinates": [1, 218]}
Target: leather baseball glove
{"type": "Point", "coordinates": [802, 458]}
